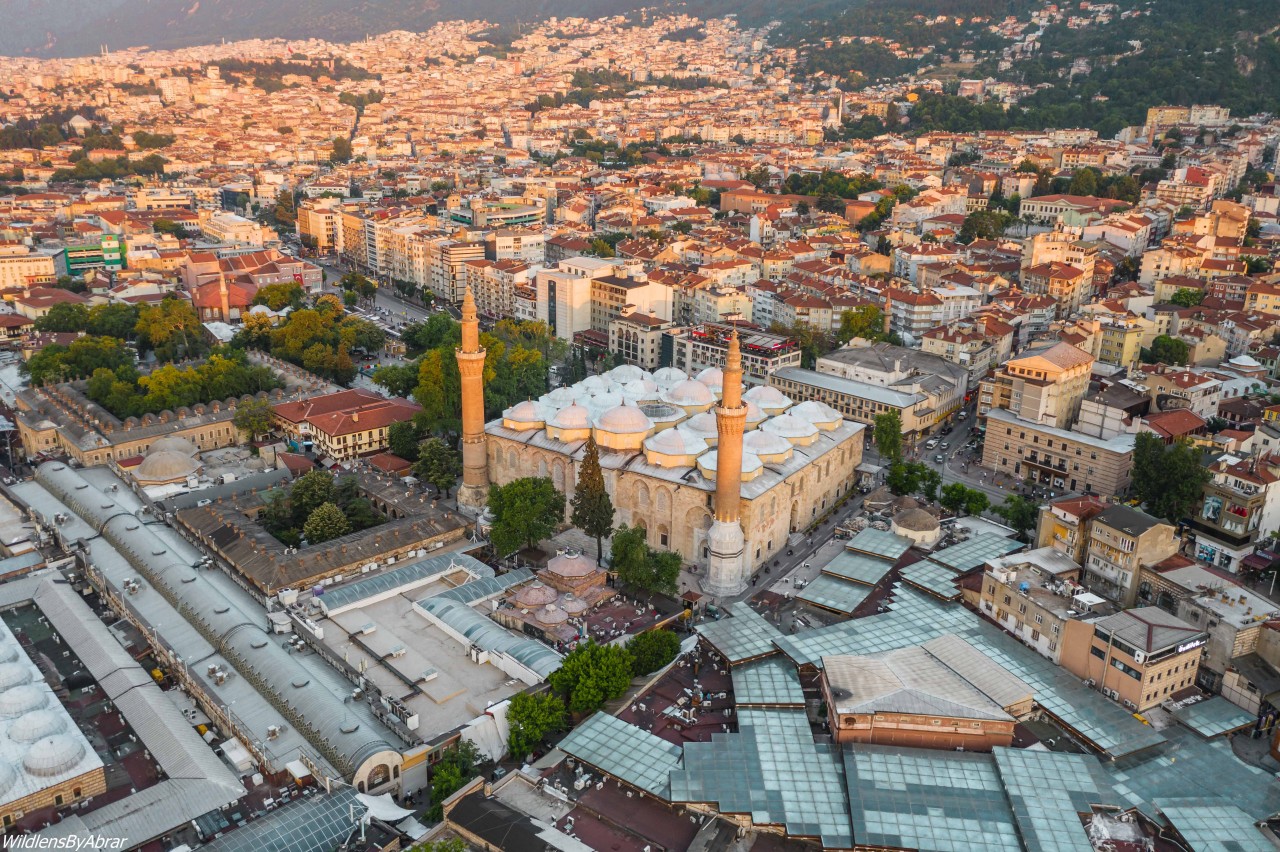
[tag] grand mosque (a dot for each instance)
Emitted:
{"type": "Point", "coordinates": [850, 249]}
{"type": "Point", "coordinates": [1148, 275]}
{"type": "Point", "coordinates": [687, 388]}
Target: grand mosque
{"type": "Point", "coordinates": [720, 476]}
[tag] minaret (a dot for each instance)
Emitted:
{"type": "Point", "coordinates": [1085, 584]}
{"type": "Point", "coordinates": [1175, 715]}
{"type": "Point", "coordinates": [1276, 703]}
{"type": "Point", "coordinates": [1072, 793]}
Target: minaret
{"type": "Point", "coordinates": [727, 570]}
{"type": "Point", "coordinates": [474, 492]}
{"type": "Point", "coordinates": [888, 312]}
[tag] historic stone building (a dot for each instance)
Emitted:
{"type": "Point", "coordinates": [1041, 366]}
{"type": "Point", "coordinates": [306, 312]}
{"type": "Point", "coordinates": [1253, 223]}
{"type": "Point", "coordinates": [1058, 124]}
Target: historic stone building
{"type": "Point", "coordinates": [660, 437]}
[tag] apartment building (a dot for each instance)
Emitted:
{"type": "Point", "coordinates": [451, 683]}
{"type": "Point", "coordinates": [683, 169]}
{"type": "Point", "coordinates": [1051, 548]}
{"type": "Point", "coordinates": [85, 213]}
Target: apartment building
{"type": "Point", "coordinates": [637, 338]}
{"type": "Point", "coordinates": [21, 269]}
{"type": "Point", "coordinates": [319, 225]}
{"type": "Point", "coordinates": [1044, 385]}
{"type": "Point", "coordinates": [1055, 458]}
{"type": "Point", "coordinates": [1068, 286]}
{"type": "Point", "coordinates": [860, 401]}
{"type": "Point", "coordinates": [706, 346]}
{"type": "Point", "coordinates": [1198, 393]}
{"type": "Point", "coordinates": [1240, 507]}
{"type": "Point", "coordinates": [1138, 658]}
{"type": "Point", "coordinates": [614, 295]}
{"type": "Point", "coordinates": [1064, 524]}
{"type": "Point", "coordinates": [521, 244]}
{"type": "Point", "coordinates": [1037, 597]}
{"type": "Point", "coordinates": [494, 284]}
{"type": "Point", "coordinates": [1121, 541]}
{"type": "Point", "coordinates": [564, 294]}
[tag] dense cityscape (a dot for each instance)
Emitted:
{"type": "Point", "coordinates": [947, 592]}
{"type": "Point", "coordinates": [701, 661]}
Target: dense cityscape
{"type": "Point", "coordinates": [666, 429]}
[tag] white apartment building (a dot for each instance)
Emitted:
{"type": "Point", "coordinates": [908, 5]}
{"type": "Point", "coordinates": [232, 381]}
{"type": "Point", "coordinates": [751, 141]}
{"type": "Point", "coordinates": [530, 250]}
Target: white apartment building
{"type": "Point", "coordinates": [20, 267]}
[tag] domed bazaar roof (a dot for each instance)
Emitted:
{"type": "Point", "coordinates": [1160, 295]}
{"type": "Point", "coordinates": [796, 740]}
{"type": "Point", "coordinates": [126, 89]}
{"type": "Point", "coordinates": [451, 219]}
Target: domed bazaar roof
{"type": "Point", "coordinates": [14, 674]}
{"type": "Point", "coordinates": [571, 417]}
{"type": "Point", "coordinates": [690, 392]}
{"type": "Point", "coordinates": [624, 373]}
{"type": "Point", "coordinates": [174, 444]}
{"type": "Point", "coordinates": [36, 725]}
{"type": "Point", "coordinates": [165, 466]}
{"type": "Point", "coordinates": [552, 614]}
{"type": "Point", "coordinates": [917, 520]}
{"type": "Point", "coordinates": [53, 755]}
{"type": "Point", "coordinates": [21, 699]}
{"type": "Point", "coordinates": [667, 377]}
{"type": "Point", "coordinates": [535, 595]}
{"type": "Point", "coordinates": [676, 442]}
{"type": "Point", "coordinates": [571, 564]}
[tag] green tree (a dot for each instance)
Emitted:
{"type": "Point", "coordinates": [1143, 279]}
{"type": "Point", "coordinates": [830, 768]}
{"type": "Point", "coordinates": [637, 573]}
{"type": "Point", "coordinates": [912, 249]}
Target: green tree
{"type": "Point", "coordinates": [1168, 350]}
{"type": "Point", "coordinates": [64, 317]}
{"type": "Point", "coordinates": [525, 511]}
{"type": "Point", "coordinates": [279, 296]}
{"type": "Point", "coordinates": [309, 492]}
{"type": "Point", "coordinates": [930, 482]}
{"type": "Point", "coordinates": [1169, 480]}
{"type": "Point", "coordinates": [959, 498]}
{"type": "Point", "coordinates": [652, 650]}
{"type": "Point", "coordinates": [327, 522]}
{"type": "Point", "coordinates": [1019, 513]}
{"type": "Point", "coordinates": [531, 718]}
{"type": "Point", "coordinates": [591, 675]}
{"type": "Point", "coordinates": [341, 150]}
{"type": "Point", "coordinates": [1084, 182]}
{"type": "Point", "coordinates": [455, 768]}
{"type": "Point", "coordinates": [642, 567]}
{"type": "Point", "coordinates": [402, 440]}
{"type": "Point", "coordinates": [865, 321]}
{"type": "Point", "coordinates": [984, 225]}
{"type": "Point", "coordinates": [1187, 297]}
{"type": "Point", "coordinates": [285, 211]}
{"type": "Point", "coordinates": [439, 465]}
{"type": "Point", "coordinates": [887, 433]}
{"type": "Point", "coordinates": [113, 320]}
{"type": "Point", "coordinates": [172, 329]}
{"type": "Point", "coordinates": [253, 418]}
{"type": "Point", "coordinates": [592, 508]}
{"type": "Point", "coordinates": [397, 380]}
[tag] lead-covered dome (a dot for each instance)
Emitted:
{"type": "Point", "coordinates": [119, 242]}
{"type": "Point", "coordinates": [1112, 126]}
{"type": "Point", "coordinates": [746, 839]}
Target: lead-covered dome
{"type": "Point", "coordinates": [536, 594]}
{"type": "Point", "coordinates": [165, 466]}
{"type": "Point", "coordinates": [769, 446]}
{"type": "Point", "coordinates": [21, 699]}
{"type": "Point", "coordinates": [793, 429]}
{"type": "Point", "coordinates": [667, 377]}
{"type": "Point", "coordinates": [713, 378]}
{"type": "Point", "coordinates": [690, 394]}
{"type": "Point", "coordinates": [35, 725]}
{"type": "Point", "coordinates": [624, 373]}
{"type": "Point", "coordinates": [571, 417]}
{"type": "Point", "coordinates": [818, 413]}
{"type": "Point", "coordinates": [624, 420]}
{"type": "Point", "coordinates": [523, 415]}
{"type": "Point", "coordinates": [769, 398]}
{"type": "Point", "coordinates": [53, 755]}
{"type": "Point", "coordinates": [174, 444]}
{"type": "Point", "coordinates": [14, 674]}
{"type": "Point", "coordinates": [571, 564]}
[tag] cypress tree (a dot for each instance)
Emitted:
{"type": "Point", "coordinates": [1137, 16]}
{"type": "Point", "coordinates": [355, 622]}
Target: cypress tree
{"type": "Point", "coordinates": [592, 508]}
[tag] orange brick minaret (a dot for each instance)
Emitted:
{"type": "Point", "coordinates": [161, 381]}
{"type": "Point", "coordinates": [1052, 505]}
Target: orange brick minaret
{"type": "Point", "coordinates": [474, 492]}
{"type": "Point", "coordinates": [726, 567]}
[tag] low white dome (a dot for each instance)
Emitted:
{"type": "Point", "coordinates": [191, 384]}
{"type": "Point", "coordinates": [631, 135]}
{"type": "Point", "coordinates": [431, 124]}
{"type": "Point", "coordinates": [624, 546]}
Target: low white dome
{"type": "Point", "coordinates": [690, 393]}
{"type": "Point", "coordinates": [602, 402]}
{"type": "Point", "coordinates": [710, 460]}
{"type": "Point", "coordinates": [53, 755]}
{"type": "Point", "coordinates": [8, 653]}
{"type": "Point", "coordinates": [14, 674]}
{"type": "Point", "coordinates": [765, 443]}
{"type": "Point", "coordinates": [7, 777]}
{"type": "Point", "coordinates": [524, 412]}
{"type": "Point", "coordinates": [816, 412]}
{"type": "Point", "coordinates": [789, 427]}
{"type": "Point", "coordinates": [174, 444]}
{"type": "Point", "coordinates": [712, 377]}
{"type": "Point", "coordinates": [21, 699]}
{"type": "Point", "coordinates": [573, 604]}
{"type": "Point", "coordinates": [767, 397]}
{"type": "Point", "coordinates": [624, 420]}
{"type": "Point", "coordinates": [669, 377]}
{"type": "Point", "coordinates": [562, 396]}
{"type": "Point", "coordinates": [595, 384]}
{"type": "Point", "coordinates": [676, 442]}
{"type": "Point", "coordinates": [641, 390]}
{"type": "Point", "coordinates": [571, 417]}
{"type": "Point", "coordinates": [754, 415]}
{"type": "Point", "coordinates": [552, 614]}
{"type": "Point", "coordinates": [624, 373]}
{"type": "Point", "coordinates": [36, 725]}
{"type": "Point", "coordinates": [703, 424]}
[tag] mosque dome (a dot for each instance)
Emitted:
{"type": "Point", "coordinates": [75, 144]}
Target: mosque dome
{"type": "Point", "coordinates": [571, 417]}
{"type": "Point", "coordinates": [641, 390]}
{"type": "Point", "coordinates": [562, 396]}
{"type": "Point", "coordinates": [53, 755]}
{"type": "Point", "coordinates": [624, 420]}
{"type": "Point", "coordinates": [766, 444]}
{"type": "Point", "coordinates": [165, 466]}
{"type": "Point", "coordinates": [595, 384]}
{"type": "Point", "coordinates": [690, 393]}
{"type": "Point", "coordinates": [14, 674]}
{"type": "Point", "coordinates": [667, 377]}
{"type": "Point", "coordinates": [769, 398]}
{"type": "Point", "coordinates": [791, 428]}
{"type": "Point", "coordinates": [712, 377]}
{"type": "Point", "coordinates": [676, 442]}
{"type": "Point", "coordinates": [36, 725]}
{"type": "Point", "coordinates": [754, 415]}
{"type": "Point", "coordinates": [702, 425]}
{"type": "Point", "coordinates": [602, 402]}
{"type": "Point", "coordinates": [751, 464]}
{"type": "Point", "coordinates": [527, 413]}
{"type": "Point", "coordinates": [174, 444]}
{"type": "Point", "coordinates": [21, 699]}
{"type": "Point", "coordinates": [8, 653]}
{"type": "Point", "coordinates": [916, 520]}
{"type": "Point", "coordinates": [624, 373]}
{"type": "Point", "coordinates": [818, 413]}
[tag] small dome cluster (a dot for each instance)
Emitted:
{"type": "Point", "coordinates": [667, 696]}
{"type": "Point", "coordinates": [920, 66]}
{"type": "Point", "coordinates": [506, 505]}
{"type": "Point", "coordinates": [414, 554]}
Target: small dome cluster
{"type": "Point", "coordinates": [29, 718]}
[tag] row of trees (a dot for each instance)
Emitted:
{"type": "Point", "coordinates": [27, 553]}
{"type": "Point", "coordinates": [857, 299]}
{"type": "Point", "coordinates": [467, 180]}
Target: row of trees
{"type": "Point", "coordinates": [319, 339]}
{"type": "Point", "coordinates": [226, 373]}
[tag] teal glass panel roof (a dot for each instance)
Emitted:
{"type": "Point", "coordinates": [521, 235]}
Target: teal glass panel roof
{"type": "Point", "coordinates": [1048, 791]}
{"type": "Point", "coordinates": [1214, 825]}
{"type": "Point", "coordinates": [858, 567]}
{"type": "Point", "coordinates": [744, 635]}
{"type": "Point", "coordinates": [933, 801]}
{"type": "Point", "coordinates": [1213, 717]}
{"type": "Point", "coordinates": [933, 579]}
{"type": "Point", "coordinates": [769, 682]}
{"type": "Point", "coordinates": [486, 587]}
{"type": "Point", "coordinates": [834, 593]}
{"type": "Point", "coordinates": [317, 824]}
{"type": "Point", "coordinates": [623, 751]}
{"type": "Point", "coordinates": [772, 770]}
{"type": "Point", "coordinates": [879, 543]}
{"type": "Point", "coordinates": [968, 555]}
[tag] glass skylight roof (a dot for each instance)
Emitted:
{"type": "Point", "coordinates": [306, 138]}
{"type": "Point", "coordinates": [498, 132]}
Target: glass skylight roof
{"type": "Point", "coordinates": [858, 567]}
{"type": "Point", "coordinates": [934, 801]}
{"type": "Point", "coordinates": [774, 771]}
{"type": "Point", "coordinates": [1214, 825]}
{"type": "Point", "coordinates": [933, 579]}
{"type": "Point", "coordinates": [1213, 717]}
{"type": "Point", "coordinates": [1049, 790]}
{"type": "Point", "coordinates": [769, 682]}
{"type": "Point", "coordinates": [879, 543]}
{"type": "Point", "coordinates": [744, 635]}
{"type": "Point", "coordinates": [315, 824]}
{"type": "Point", "coordinates": [970, 554]}
{"type": "Point", "coordinates": [834, 593]}
{"type": "Point", "coordinates": [625, 752]}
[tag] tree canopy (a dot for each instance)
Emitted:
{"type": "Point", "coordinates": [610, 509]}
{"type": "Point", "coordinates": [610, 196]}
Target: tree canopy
{"type": "Point", "coordinates": [592, 507]}
{"type": "Point", "coordinates": [652, 650]}
{"type": "Point", "coordinates": [1169, 480]}
{"type": "Point", "coordinates": [531, 718]}
{"type": "Point", "coordinates": [525, 511]}
{"type": "Point", "coordinates": [640, 566]}
{"type": "Point", "coordinates": [591, 675]}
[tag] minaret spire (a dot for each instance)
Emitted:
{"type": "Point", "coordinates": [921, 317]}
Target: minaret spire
{"type": "Point", "coordinates": [474, 492]}
{"type": "Point", "coordinates": [727, 570]}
